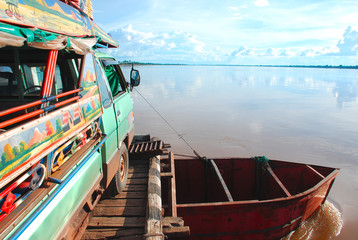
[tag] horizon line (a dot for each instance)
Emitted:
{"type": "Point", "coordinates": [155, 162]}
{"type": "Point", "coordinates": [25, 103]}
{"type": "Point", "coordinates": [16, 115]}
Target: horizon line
{"type": "Point", "coordinates": [242, 65]}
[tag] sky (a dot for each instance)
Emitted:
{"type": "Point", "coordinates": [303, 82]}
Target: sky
{"type": "Point", "coordinates": [245, 32]}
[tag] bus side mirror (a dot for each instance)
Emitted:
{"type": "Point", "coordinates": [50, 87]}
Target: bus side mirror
{"type": "Point", "coordinates": [135, 78]}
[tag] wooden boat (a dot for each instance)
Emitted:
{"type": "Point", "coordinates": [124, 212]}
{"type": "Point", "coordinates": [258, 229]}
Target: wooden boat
{"type": "Point", "coordinates": [248, 198]}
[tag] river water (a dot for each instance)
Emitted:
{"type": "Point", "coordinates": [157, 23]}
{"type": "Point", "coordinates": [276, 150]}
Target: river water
{"type": "Point", "coordinates": [304, 115]}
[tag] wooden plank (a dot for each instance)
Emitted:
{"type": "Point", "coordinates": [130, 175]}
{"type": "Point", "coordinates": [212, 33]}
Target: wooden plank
{"type": "Point", "coordinates": [139, 163]}
{"type": "Point", "coordinates": [138, 175]}
{"type": "Point", "coordinates": [119, 211]}
{"type": "Point", "coordinates": [173, 227]}
{"type": "Point", "coordinates": [153, 224]}
{"type": "Point", "coordinates": [139, 166]}
{"type": "Point", "coordinates": [135, 237]}
{"type": "Point", "coordinates": [268, 167]}
{"type": "Point", "coordinates": [123, 216]}
{"type": "Point", "coordinates": [166, 174]}
{"type": "Point", "coordinates": [177, 232]}
{"type": "Point", "coordinates": [138, 170]}
{"type": "Point", "coordinates": [172, 189]}
{"type": "Point", "coordinates": [96, 233]}
{"type": "Point", "coordinates": [223, 184]}
{"type": "Point", "coordinates": [136, 195]}
{"type": "Point", "coordinates": [123, 202]}
{"type": "Point", "coordinates": [137, 181]}
{"type": "Point", "coordinates": [131, 166]}
{"type": "Point", "coordinates": [173, 221]}
{"type": "Point", "coordinates": [315, 171]}
{"type": "Point", "coordinates": [132, 188]}
{"type": "Point", "coordinates": [117, 222]}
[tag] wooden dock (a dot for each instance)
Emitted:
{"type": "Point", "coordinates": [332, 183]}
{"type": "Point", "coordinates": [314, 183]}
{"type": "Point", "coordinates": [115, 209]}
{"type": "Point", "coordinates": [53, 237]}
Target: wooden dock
{"type": "Point", "coordinates": [138, 211]}
{"type": "Point", "coordinates": [123, 216]}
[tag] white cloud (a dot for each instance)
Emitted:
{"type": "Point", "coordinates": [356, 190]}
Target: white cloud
{"type": "Point", "coordinates": [329, 50]}
{"type": "Point", "coordinates": [242, 51]}
{"type": "Point", "coordinates": [308, 53]}
{"type": "Point", "coordinates": [147, 46]}
{"type": "Point", "coordinates": [199, 46]}
{"type": "Point", "coordinates": [184, 47]}
{"type": "Point", "coordinates": [348, 44]}
{"type": "Point", "coordinates": [286, 53]}
{"type": "Point", "coordinates": [270, 52]}
{"type": "Point", "coordinates": [350, 18]}
{"type": "Point", "coordinates": [261, 3]}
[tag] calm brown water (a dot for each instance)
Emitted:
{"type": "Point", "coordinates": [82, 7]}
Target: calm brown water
{"type": "Point", "coordinates": [293, 114]}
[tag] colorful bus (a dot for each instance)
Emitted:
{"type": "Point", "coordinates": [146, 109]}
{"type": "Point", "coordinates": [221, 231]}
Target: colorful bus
{"type": "Point", "coordinates": [59, 98]}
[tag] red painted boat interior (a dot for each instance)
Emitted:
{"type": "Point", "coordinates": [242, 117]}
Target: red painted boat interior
{"type": "Point", "coordinates": [196, 181]}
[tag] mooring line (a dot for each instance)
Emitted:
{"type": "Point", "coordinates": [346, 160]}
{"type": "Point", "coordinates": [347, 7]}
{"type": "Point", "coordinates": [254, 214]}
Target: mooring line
{"type": "Point", "coordinates": [207, 161]}
{"type": "Point", "coordinates": [180, 136]}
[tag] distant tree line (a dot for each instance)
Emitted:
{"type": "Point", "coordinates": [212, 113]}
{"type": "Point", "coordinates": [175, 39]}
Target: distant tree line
{"type": "Point", "coordinates": [129, 62]}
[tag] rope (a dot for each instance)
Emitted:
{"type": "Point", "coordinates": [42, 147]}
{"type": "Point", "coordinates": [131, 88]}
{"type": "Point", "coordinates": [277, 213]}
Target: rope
{"type": "Point", "coordinates": [261, 159]}
{"type": "Point", "coordinates": [184, 155]}
{"type": "Point", "coordinates": [180, 136]}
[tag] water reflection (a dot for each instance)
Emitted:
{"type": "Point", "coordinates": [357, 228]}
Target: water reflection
{"type": "Point", "coordinates": [345, 93]}
{"type": "Point", "coordinates": [181, 81]}
{"type": "Point", "coordinates": [294, 114]}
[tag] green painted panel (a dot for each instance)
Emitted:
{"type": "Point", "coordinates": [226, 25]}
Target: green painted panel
{"type": "Point", "coordinates": [124, 105]}
{"type": "Point", "coordinates": [109, 126]}
{"type": "Point", "coordinates": [49, 223]}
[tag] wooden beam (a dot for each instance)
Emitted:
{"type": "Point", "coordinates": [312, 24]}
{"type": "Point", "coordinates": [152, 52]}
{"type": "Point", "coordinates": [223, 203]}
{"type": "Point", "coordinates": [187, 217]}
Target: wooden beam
{"type": "Point", "coordinates": [223, 184]}
{"type": "Point", "coordinates": [315, 171]}
{"type": "Point", "coordinates": [268, 167]}
{"type": "Point", "coordinates": [135, 188]}
{"type": "Point", "coordinates": [106, 211]}
{"type": "Point", "coordinates": [153, 226]}
{"type": "Point", "coordinates": [173, 227]}
{"type": "Point", "coordinates": [117, 222]}
{"type": "Point", "coordinates": [123, 202]}
{"type": "Point", "coordinates": [172, 189]}
{"type": "Point", "coordinates": [136, 195]}
{"type": "Point", "coordinates": [177, 232]}
{"type": "Point", "coordinates": [166, 175]}
{"type": "Point", "coordinates": [95, 233]}
{"type": "Point", "coordinates": [173, 221]}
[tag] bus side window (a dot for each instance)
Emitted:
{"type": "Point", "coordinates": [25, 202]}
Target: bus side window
{"type": "Point", "coordinates": [106, 95]}
{"type": "Point", "coordinates": [114, 76]}
{"type": "Point", "coordinates": [113, 80]}
{"type": "Point", "coordinates": [8, 83]}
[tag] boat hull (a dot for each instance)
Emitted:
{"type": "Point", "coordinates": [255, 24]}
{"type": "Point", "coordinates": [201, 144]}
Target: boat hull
{"type": "Point", "coordinates": [268, 214]}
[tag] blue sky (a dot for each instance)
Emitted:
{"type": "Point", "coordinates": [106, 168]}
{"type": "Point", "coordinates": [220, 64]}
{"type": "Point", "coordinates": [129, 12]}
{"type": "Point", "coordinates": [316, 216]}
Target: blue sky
{"type": "Point", "coordinates": [319, 32]}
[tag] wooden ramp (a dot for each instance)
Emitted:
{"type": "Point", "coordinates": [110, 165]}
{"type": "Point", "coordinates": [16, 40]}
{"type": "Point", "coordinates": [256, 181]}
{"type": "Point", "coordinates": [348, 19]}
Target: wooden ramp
{"type": "Point", "coordinates": [137, 212]}
{"type": "Point", "coordinates": [123, 216]}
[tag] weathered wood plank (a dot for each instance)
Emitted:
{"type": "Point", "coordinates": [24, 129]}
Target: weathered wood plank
{"type": "Point", "coordinates": [137, 237]}
{"type": "Point", "coordinates": [96, 233]}
{"type": "Point", "coordinates": [117, 222]}
{"type": "Point", "coordinates": [123, 202]}
{"type": "Point", "coordinates": [173, 221]}
{"type": "Point", "coordinates": [139, 163]}
{"type": "Point", "coordinates": [172, 187]}
{"type": "Point", "coordinates": [107, 211]}
{"type": "Point", "coordinates": [138, 175]}
{"type": "Point", "coordinates": [136, 195]}
{"type": "Point", "coordinates": [132, 188]}
{"type": "Point", "coordinates": [166, 175]}
{"type": "Point", "coordinates": [137, 181]}
{"type": "Point", "coordinates": [153, 224]}
{"type": "Point", "coordinates": [138, 170]}
{"type": "Point", "coordinates": [177, 232]}
{"type": "Point", "coordinates": [123, 216]}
